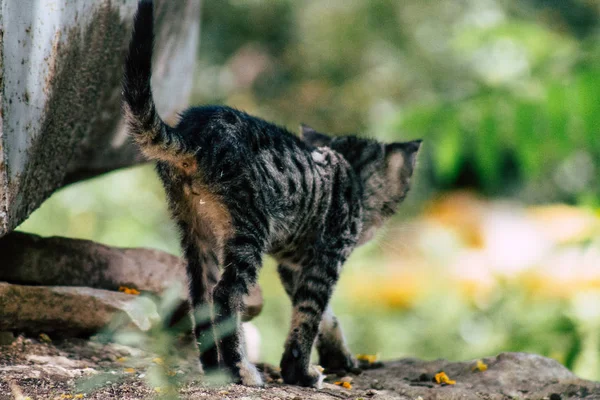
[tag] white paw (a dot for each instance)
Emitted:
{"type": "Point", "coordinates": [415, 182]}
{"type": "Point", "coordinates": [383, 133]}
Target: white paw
{"type": "Point", "coordinates": [315, 371]}
{"type": "Point", "coordinates": [249, 374]}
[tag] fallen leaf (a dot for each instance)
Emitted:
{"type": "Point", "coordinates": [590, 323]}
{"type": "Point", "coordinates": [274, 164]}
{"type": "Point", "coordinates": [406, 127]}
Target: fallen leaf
{"type": "Point", "coordinates": [45, 338]}
{"type": "Point", "coordinates": [158, 360]}
{"type": "Point", "coordinates": [127, 290]}
{"type": "Point", "coordinates": [345, 385]}
{"type": "Point", "coordinates": [480, 366]}
{"type": "Point", "coordinates": [370, 358]}
{"type": "Point", "coordinates": [441, 377]}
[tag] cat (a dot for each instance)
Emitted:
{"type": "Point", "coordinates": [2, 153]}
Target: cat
{"type": "Point", "coordinates": [239, 187]}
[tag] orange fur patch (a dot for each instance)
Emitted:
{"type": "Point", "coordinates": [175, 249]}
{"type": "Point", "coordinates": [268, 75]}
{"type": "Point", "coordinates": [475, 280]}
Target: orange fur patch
{"type": "Point", "coordinates": [210, 219]}
{"type": "Point", "coordinates": [188, 165]}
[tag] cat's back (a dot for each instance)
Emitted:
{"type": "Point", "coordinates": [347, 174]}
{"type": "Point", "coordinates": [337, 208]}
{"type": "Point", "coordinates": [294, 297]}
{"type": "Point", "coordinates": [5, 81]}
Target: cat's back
{"type": "Point", "coordinates": [264, 174]}
{"type": "Point", "coordinates": [230, 140]}
{"type": "Point", "coordinates": [243, 131]}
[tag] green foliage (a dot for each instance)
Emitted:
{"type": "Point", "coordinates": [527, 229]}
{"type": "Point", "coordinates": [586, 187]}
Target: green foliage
{"type": "Point", "coordinates": [505, 96]}
{"type": "Point", "coordinates": [170, 357]}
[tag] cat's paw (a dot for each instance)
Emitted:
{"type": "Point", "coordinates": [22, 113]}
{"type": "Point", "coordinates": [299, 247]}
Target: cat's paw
{"type": "Point", "coordinates": [294, 373]}
{"type": "Point", "coordinates": [338, 361]}
{"type": "Point", "coordinates": [210, 359]}
{"type": "Point", "coordinates": [316, 377]}
{"type": "Point", "coordinates": [311, 377]}
{"type": "Point", "coordinates": [248, 375]}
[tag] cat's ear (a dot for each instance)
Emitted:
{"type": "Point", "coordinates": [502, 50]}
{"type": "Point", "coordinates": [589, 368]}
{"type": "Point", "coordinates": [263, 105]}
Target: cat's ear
{"type": "Point", "coordinates": [314, 138]}
{"type": "Point", "coordinates": [401, 158]}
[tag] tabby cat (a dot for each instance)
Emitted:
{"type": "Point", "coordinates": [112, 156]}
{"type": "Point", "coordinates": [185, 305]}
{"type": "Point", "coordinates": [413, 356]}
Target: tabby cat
{"type": "Point", "coordinates": [240, 187]}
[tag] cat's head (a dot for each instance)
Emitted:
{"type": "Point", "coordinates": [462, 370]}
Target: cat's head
{"type": "Point", "coordinates": [385, 171]}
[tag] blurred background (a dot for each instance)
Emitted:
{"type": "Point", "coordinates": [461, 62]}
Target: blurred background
{"type": "Point", "coordinates": [497, 247]}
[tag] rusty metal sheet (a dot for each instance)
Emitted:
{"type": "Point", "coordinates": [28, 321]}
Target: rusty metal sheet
{"type": "Point", "coordinates": [60, 72]}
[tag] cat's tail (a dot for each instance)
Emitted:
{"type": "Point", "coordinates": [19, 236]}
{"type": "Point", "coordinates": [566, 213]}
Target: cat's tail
{"type": "Point", "coordinates": [156, 139]}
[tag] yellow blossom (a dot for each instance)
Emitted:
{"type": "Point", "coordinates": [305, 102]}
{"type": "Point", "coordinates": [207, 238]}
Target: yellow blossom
{"type": "Point", "coordinates": [127, 290]}
{"type": "Point", "coordinates": [370, 358]}
{"type": "Point", "coordinates": [345, 385]}
{"type": "Point", "coordinates": [158, 360]}
{"type": "Point", "coordinates": [441, 377]}
{"type": "Point", "coordinates": [45, 338]}
{"type": "Point", "coordinates": [480, 366]}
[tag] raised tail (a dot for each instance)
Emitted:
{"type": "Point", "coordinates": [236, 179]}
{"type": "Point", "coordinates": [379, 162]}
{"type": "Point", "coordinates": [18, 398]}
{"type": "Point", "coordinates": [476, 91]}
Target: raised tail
{"type": "Point", "coordinates": [156, 139]}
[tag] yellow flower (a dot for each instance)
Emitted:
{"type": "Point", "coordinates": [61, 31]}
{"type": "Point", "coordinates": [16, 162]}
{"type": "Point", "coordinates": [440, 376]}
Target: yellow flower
{"type": "Point", "coordinates": [345, 385]}
{"type": "Point", "coordinates": [127, 290]}
{"type": "Point", "coordinates": [158, 360]}
{"type": "Point", "coordinates": [122, 359]}
{"type": "Point", "coordinates": [480, 366]}
{"type": "Point", "coordinates": [129, 370]}
{"type": "Point", "coordinates": [441, 377]}
{"type": "Point", "coordinates": [45, 338]}
{"type": "Point", "coordinates": [370, 358]}
{"type": "Point", "coordinates": [79, 396]}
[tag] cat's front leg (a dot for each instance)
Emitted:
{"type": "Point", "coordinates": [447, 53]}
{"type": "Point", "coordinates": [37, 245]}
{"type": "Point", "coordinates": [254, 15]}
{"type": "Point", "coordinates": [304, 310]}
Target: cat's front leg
{"type": "Point", "coordinates": [333, 351]}
{"type": "Point", "coordinates": [310, 299]}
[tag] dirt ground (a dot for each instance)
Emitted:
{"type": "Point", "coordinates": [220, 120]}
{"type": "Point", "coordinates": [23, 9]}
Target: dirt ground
{"type": "Point", "coordinates": [77, 368]}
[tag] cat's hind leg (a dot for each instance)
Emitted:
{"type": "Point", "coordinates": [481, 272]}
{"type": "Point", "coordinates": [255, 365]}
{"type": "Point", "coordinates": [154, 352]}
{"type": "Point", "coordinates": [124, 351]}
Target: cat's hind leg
{"type": "Point", "coordinates": [287, 276]}
{"type": "Point", "coordinates": [201, 260]}
{"type": "Point", "coordinates": [242, 260]}
{"type": "Point", "coordinates": [333, 351]}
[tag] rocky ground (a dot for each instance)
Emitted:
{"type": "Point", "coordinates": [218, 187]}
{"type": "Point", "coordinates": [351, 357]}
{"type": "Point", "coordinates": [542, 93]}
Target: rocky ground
{"type": "Point", "coordinates": [78, 368]}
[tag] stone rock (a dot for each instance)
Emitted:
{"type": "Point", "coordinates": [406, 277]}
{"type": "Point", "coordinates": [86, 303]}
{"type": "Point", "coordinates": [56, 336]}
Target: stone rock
{"type": "Point", "coordinates": [32, 260]}
{"type": "Point", "coordinates": [509, 375]}
{"type": "Point", "coordinates": [253, 303]}
{"type": "Point", "coordinates": [6, 338]}
{"type": "Point", "coordinates": [69, 311]}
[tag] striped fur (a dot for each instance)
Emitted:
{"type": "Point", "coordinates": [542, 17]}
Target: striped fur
{"type": "Point", "coordinates": [239, 188]}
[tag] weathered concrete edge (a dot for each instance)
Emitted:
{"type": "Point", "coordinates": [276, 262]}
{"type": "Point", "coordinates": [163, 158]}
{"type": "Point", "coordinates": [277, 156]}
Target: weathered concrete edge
{"type": "Point", "coordinates": [3, 165]}
{"type": "Point", "coordinates": [111, 149]}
